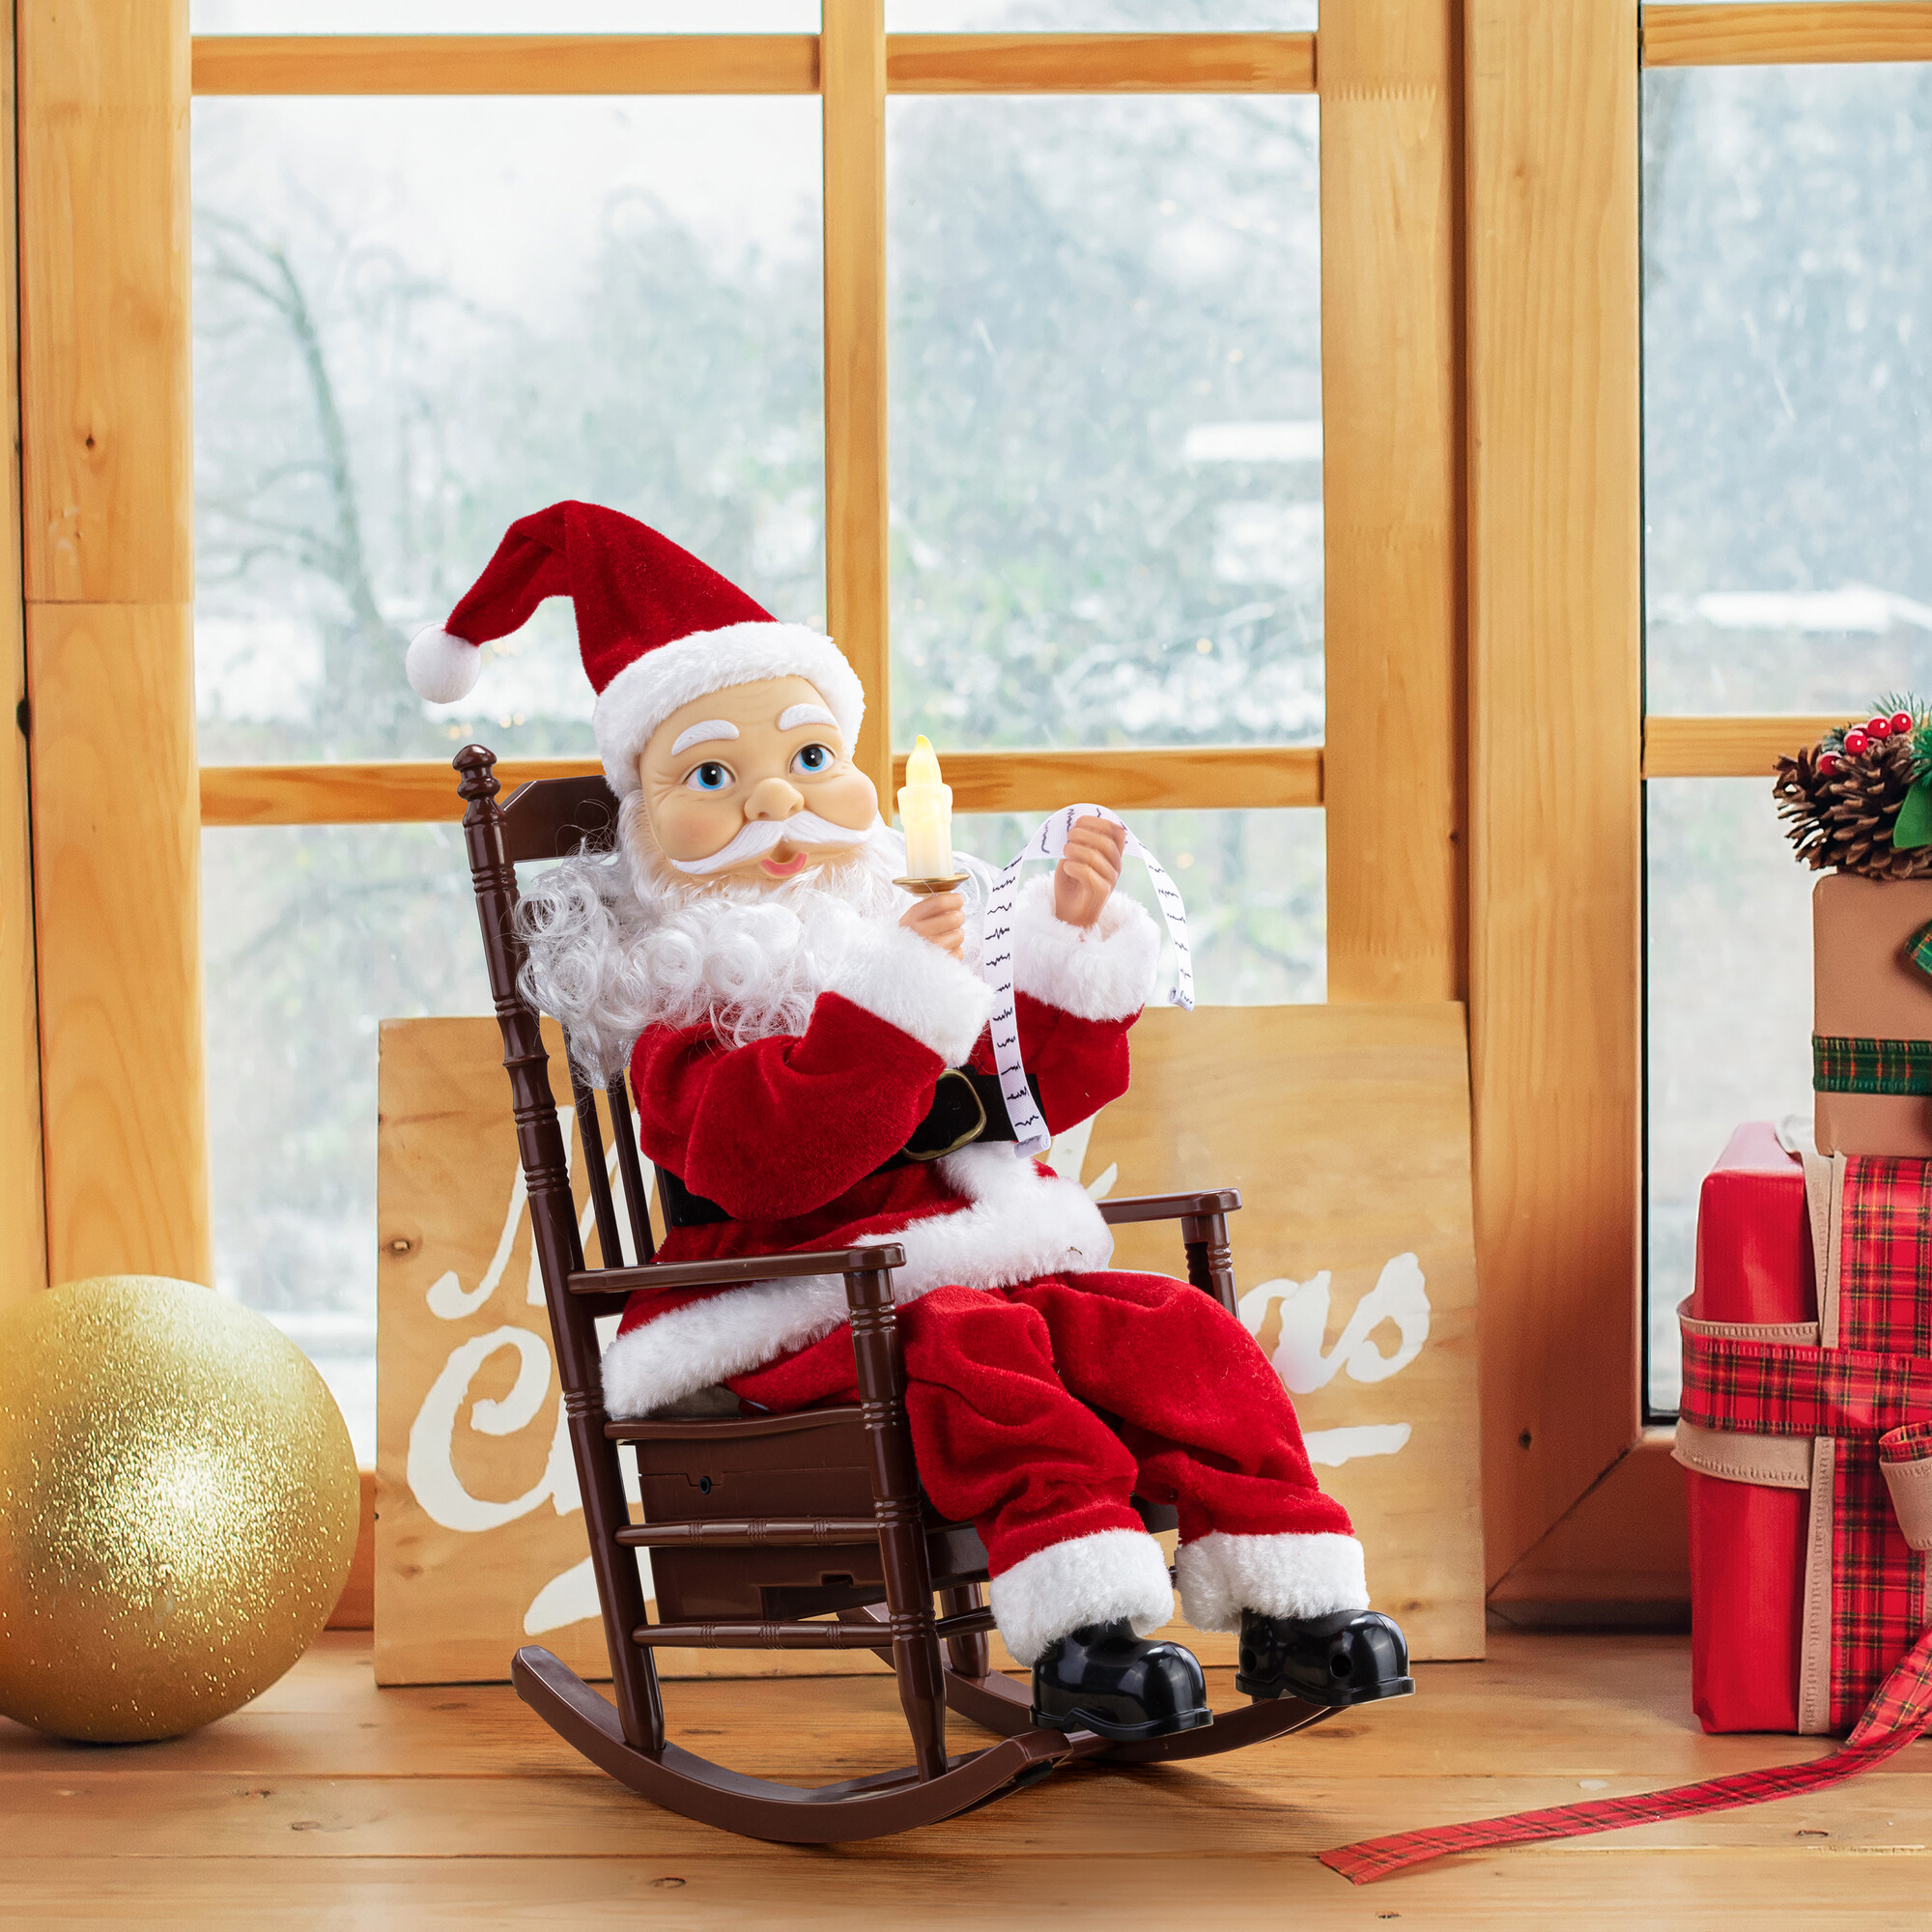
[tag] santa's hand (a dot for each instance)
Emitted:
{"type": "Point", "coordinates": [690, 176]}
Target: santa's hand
{"type": "Point", "coordinates": [1089, 871]}
{"type": "Point", "coordinates": [940, 918]}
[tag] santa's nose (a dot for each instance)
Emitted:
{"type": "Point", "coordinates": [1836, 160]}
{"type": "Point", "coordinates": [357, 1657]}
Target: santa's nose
{"type": "Point", "coordinates": [774, 798]}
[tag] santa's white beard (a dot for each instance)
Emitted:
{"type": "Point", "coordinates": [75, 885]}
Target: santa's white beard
{"type": "Point", "coordinates": [616, 941]}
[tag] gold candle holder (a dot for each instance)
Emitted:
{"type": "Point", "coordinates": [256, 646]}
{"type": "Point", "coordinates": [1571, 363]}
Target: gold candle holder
{"type": "Point", "coordinates": [924, 888]}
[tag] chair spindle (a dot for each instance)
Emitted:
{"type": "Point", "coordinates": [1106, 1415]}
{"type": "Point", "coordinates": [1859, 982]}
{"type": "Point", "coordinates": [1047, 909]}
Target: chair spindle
{"type": "Point", "coordinates": [636, 1198]}
{"type": "Point", "coordinates": [610, 1243]}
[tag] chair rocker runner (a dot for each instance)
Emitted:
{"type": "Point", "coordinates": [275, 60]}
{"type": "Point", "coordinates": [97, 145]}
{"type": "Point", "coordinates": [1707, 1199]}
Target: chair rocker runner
{"type": "Point", "coordinates": [817, 1513]}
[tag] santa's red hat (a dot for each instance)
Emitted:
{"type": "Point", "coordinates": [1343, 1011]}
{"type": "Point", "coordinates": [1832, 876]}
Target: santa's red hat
{"type": "Point", "coordinates": [656, 627]}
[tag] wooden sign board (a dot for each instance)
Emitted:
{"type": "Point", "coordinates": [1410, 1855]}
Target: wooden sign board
{"type": "Point", "coordinates": [1346, 1128]}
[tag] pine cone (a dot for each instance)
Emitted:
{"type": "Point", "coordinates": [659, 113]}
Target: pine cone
{"type": "Point", "coordinates": [1845, 818]}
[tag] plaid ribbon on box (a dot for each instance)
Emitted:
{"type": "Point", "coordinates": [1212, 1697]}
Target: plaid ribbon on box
{"type": "Point", "coordinates": [1876, 1382]}
{"type": "Point", "coordinates": [1843, 1064]}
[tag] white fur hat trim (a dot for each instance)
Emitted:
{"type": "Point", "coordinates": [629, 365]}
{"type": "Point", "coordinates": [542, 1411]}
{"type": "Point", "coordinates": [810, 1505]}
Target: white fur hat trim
{"type": "Point", "coordinates": [648, 690]}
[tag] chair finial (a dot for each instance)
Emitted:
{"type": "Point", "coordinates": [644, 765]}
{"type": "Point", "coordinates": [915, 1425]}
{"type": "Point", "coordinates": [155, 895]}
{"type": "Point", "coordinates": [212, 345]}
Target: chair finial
{"type": "Point", "coordinates": [477, 763]}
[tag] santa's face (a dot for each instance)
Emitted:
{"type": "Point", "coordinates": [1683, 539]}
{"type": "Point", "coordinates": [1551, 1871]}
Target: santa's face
{"type": "Point", "coordinates": [754, 783]}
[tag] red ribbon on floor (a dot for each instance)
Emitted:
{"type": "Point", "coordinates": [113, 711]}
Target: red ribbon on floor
{"type": "Point", "coordinates": [1895, 1716]}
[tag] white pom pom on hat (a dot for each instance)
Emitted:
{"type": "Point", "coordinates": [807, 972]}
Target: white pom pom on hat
{"type": "Point", "coordinates": [655, 628]}
{"type": "Point", "coordinates": [441, 667]}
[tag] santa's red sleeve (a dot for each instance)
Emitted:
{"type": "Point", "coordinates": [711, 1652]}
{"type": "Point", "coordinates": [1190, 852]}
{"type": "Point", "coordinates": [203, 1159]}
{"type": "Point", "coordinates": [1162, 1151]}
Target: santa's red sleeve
{"type": "Point", "coordinates": [1078, 990]}
{"type": "Point", "coordinates": [781, 1126]}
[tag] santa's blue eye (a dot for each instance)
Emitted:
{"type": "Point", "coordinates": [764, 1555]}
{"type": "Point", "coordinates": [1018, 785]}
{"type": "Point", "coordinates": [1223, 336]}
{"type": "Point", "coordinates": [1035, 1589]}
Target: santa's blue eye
{"type": "Point", "coordinates": [812, 758]}
{"type": "Point", "coordinates": [710, 776]}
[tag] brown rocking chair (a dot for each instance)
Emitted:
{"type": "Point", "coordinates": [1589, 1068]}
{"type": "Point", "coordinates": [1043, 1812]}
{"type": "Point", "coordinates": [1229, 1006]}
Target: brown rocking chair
{"type": "Point", "coordinates": [810, 1516]}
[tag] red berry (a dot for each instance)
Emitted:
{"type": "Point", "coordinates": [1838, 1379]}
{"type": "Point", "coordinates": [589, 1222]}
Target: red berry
{"type": "Point", "coordinates": [1878, 728]}
{"type": "Point", "coordinates": [1828, 763]}
{"type": "Point", "coordinates": [1901, 723]}
{"type": "Point", "coordinates": [1856, 742]}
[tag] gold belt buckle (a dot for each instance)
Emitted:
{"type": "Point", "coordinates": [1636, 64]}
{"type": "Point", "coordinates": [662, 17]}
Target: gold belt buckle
{"type": "Point", "coordinates": [972, 1133]}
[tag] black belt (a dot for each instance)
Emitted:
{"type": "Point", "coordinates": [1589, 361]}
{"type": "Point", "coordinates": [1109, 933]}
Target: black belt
{"type": "Point", "coordinates": [966, 1107]}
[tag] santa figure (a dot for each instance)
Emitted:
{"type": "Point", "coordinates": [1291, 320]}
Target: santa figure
{"type": "Point", "coordinates": [794, 1026]}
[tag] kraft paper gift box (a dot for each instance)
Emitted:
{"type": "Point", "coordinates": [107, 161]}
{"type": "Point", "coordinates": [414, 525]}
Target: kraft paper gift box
{"type": "Point", "coordinates": [1803, 1430]}
{"type": "Point", "coordinates": [1873, 1016]}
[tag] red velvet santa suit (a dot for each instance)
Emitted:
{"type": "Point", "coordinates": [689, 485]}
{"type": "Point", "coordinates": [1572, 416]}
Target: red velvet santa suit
{"type": "Point", "coordinates": [1014, 1329]}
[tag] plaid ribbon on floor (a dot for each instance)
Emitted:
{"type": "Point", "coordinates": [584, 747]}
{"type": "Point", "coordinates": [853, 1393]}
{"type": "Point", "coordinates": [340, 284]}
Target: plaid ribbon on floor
{"type": "Point", "coordinates": [1879, 1378]}
{"type": "Point", "coordinates": [1843, 1065]}
{"type": "Point", "coordinates": [1896, 1716]}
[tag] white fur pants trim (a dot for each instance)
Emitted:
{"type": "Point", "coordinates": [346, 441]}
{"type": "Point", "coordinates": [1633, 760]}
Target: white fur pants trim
{"type": "Point", "coordinates": [1220, 1575]}
{"type": "Point", "coordinates": [1088, 1579]}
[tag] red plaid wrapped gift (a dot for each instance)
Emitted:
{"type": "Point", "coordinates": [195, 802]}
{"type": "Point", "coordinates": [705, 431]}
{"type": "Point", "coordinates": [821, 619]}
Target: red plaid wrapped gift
{"type": "Point", "coordinates": [1806, 1345]}
{"type": "Point", "coordinates": [1806, 1427]}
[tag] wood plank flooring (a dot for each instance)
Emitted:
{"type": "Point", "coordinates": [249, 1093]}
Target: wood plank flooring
{"type": "Point", "coordinates": [329, 1803]}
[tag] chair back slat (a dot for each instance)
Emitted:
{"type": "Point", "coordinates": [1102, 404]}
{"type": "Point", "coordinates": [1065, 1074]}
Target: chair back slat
{"type": "Point", "coordinates": [551, 818]}
{"type": "Point", "coordinates": [635, 1198]}
{"type": "Point", "coordinates": [610, 1243]}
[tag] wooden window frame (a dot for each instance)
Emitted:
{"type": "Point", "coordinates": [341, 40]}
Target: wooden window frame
{"type": "Point", "coordinates": [1584, 1509]}
{"type": "Point", "coordinates": [1480, 320]}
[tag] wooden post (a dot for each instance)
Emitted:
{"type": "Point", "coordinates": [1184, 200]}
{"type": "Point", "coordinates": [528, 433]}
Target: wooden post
{"type": "Point", "coordinates": [1391, 381]}
{"type": "Point", "coordinates": [107, 466]}
{"type": "Point", "coordinates": [24, 1243]}
{"type": "Point", "coordinates": [1555, 744]}
{"type": "Point", "coordinates": [852, 73]}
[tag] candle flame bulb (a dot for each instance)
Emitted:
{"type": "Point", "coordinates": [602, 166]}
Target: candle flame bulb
{"type": "Point", "coordinates": [925, 815]}
{"type": "Point", "coordinates": [923, 767]}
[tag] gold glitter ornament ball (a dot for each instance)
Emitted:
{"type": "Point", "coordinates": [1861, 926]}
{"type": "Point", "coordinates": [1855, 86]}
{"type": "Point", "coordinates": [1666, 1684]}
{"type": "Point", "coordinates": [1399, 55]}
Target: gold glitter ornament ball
{"type": "Point", "coordinates": [178, 1507]}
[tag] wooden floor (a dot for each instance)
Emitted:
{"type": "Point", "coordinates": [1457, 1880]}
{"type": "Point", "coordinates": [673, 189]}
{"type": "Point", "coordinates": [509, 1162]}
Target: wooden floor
{"type": "Point", "coordinates": [331, 1804]}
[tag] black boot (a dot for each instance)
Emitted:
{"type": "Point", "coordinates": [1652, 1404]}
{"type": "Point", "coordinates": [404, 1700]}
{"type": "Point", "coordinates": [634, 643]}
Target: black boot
{"type": "Point", "coordinates": [1104, 1678]}
{"type": "Point", "coordinates": [1353, 1657]}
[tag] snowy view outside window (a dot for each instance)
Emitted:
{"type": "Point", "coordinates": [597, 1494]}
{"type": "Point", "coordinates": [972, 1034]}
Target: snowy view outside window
{"type": "Point", "coordinates": [418, 320]}
{"type": "Point", "coordinates": [1787, 265]}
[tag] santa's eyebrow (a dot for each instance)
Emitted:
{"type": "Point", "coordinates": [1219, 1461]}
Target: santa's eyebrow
{"type": "Point", "coordinates": [795, 715]}
{"type": "Point", "coordinates": [702, 734]}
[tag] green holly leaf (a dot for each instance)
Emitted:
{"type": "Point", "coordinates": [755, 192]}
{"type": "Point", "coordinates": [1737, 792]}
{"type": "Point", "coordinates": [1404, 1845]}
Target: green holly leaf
{"type": "Point", "coordinates": [1914, 828]}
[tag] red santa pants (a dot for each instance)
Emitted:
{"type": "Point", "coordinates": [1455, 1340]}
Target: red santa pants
{"type": "Point", "coordinates": [1002, 1385]}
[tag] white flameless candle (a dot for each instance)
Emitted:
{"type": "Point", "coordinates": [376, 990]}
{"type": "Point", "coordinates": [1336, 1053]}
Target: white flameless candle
{"type": "Point", "coordinates": [925, 817]}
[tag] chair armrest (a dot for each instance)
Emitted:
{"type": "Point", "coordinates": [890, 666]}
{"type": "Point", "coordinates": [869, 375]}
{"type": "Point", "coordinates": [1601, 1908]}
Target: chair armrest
{"type": "Point", "coordinates": [1169, 1207]}
{"type": "Point", "coordinates": [740, 1271]}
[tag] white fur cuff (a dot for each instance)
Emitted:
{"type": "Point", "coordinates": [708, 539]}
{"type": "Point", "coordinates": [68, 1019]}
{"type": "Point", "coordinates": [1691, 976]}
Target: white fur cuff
{"type": "Point", "coordinates": [1091, 1580]}
{"type": "Point", "coordinates": [911, 984]}
{"type": "Point", "coordinates": [1102, 972]}
{"type": "Point", "coordinates": [1221, 1576]}
{"type": "Point", "coordinates": [442, 668]}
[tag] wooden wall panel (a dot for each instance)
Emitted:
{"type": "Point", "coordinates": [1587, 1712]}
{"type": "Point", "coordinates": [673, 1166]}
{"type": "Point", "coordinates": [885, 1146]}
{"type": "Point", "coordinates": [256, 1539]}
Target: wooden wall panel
{"type": "Point", "coordinates": [1555, 743]}
{"type": "Point", "coordinates": [23, 1247]}
{"type": "Point", "coordinates": [117, 879]}
{"type": "Point", "coordinates": [107, 469]}
{"type": "Point", "coordinates": [852, 72]}
{"type": "Point", "coordinates": [1391, 494]}
{"type": "Point", "coordinates": [104, 313]}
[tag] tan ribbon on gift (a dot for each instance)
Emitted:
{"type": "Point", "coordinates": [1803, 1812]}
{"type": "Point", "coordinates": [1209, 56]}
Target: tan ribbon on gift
{"type": "Point", "coordinates": [1905, 1455]}
{"type": "Point", "coordinates": [1794, 1461]}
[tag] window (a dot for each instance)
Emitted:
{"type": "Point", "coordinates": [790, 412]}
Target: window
{"type": "Point", "coordinates": [1787, 429]}
{"type": "Point", "coordinates": [432, 295]}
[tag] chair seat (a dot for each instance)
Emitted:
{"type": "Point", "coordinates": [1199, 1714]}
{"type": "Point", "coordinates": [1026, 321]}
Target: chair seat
{"type": "Point", "coordinates": [716, 1404]}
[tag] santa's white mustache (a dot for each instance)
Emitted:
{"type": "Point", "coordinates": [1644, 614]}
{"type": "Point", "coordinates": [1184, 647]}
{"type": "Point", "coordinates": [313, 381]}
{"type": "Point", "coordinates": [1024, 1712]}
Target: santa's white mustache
{"type": "Point", "coordinates": [758, 835]}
